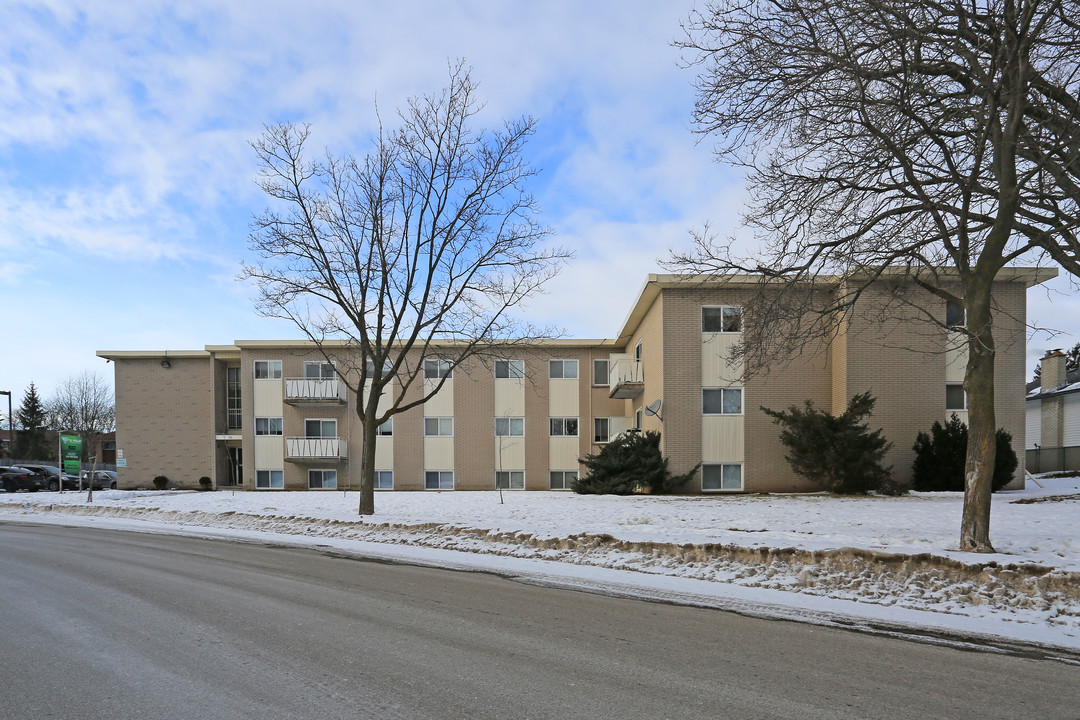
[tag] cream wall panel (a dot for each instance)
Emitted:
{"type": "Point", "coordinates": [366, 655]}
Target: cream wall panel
{"type": "Point", "coordinates": [1070, 434]}
{"type": "Point", "coordinates": [563, 453]}
{"type": "Point", "coordinates": [442, 405]}
{"type": "Point", "coordinates": [1033, 425]}
{"type": "Point", "coordinates": [962, 414]}
{"type": "Point", "coordinates": [269, 453]}
{"type": "Point", "coordinates": [722, 439]}
{"type": "Point", "coordinates": [269, 396]}
{"type": "Point", "coordinates": [715, 351]}
{"type": "Point", "coordinates": [384, 453]}
{"type": "Point", "coordinates": [563, 397]}
{"type": "Point", "coordinates": [438, 453]}
{"type": "Point", "coordinates": [513, 453]}
{"type": "Point", "coordinates": [956, 356]}
{"type": "Point", "coordinates": [510, 397]}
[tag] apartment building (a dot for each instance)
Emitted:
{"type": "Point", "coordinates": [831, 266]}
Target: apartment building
{"type": "Point", "coordinates": [272, 415]}
{"type": "Point", "coordinates": [1053, 417]}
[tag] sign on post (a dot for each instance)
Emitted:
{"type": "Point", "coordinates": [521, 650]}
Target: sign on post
{"type": "Point", "coordinates": [71, 453]}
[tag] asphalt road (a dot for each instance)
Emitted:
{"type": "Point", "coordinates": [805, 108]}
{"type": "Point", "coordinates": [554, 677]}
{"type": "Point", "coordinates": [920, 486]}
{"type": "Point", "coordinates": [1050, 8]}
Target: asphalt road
{"type": "Point", "coordinates": [114, 625]}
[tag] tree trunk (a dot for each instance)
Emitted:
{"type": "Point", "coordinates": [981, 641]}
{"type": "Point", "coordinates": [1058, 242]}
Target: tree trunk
{"type": "Point", "coordinates": [366, 409]}
{"type": "Point", "coordinates": [982, 424]}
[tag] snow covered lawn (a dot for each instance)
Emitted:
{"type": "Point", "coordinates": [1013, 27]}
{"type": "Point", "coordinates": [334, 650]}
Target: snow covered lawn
{"type": "Point", "coordinates": [878, 558]}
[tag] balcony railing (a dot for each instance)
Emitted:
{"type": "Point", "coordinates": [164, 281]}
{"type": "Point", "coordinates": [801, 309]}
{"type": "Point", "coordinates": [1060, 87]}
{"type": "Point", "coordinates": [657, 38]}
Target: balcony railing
{"type": "Point", "coordinates": [314, 390]}
{"type": "Point", "coordinates": [315, 448]}
{"type": "Point", "coordinates": [626, 378]}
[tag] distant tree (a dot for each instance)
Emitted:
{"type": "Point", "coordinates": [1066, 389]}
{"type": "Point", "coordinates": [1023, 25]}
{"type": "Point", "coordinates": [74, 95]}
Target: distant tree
{"type": "Point", "coordinates": [837, 452]}
{"type": "Point", "coordinates": [404, 264]}
{"type": "Point", "coordinates": [32, 418]}
{"type": "Point", "coordinates": [630, 463]}
{"type": "Point", "coordinates": [84, 405]}
{"type": "Point", "coordinates": [939, 458]}
{"type": "Point", "coordinates": [1072, 362]}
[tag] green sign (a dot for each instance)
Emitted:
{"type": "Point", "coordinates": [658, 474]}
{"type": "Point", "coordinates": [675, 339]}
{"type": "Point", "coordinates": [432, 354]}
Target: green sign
{"type": "Point", "coordinates": [71, 453]}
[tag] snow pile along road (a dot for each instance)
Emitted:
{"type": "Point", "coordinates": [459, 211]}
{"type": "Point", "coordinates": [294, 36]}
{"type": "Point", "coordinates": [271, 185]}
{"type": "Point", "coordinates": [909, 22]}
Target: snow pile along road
{"type": "Point", "coordinates": [886, 552]}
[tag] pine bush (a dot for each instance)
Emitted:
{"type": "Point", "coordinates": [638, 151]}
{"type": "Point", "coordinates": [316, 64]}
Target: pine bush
{"type": "Point", "coordinates": [632, 462]}
{"type": "Point", "coordinates": [161, 482]}
{"type": "Point", "coordinates": [941, 454]}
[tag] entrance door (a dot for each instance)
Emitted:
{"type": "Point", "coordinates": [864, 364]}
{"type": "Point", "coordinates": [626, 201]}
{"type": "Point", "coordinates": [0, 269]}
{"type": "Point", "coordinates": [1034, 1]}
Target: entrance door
{"type": "Point", "coordinates": [236, 466]}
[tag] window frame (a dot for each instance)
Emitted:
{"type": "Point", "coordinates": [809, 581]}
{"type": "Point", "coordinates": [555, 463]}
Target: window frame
{"type": "Point", "coordinates": [438, 479]}
{"type": "Point", "coordinates": [440, 425]}
{"type": "Point", "coordinates": [607, 373]}
{"type": "Point", "coordinates": [563, 364]}
{"type": "Point", "coordinates": [707, 466]}
{"type": "Point", "coordinates": [323, 364]}
{"type": "Point", "coordinates": [269, 364]}
{"type": "Point", "coordinates": [512, 367]}
{"type": "Point", "coordinates": [269, 426]}
{"type": "Point", "coordinates": [322, 472]}
{"type": "Point", "coordinates": [564, 483]}
{"type": "Point", "coordinates": [384, 431]}
{"type": "Point", "coordinates": [320, 421]}
{"type": "Point", "coordinates": [379, 476]}
{"type": "Point", "coordinates": [963, 392]}
{"type": "Point", "coordinates": [706, 391]}
{"type": "Point", "coordinates": [596, 430]}
{"type": "Point", "coordinates": [563, 422]}
{"type": "Point", "coordinates": [950, 307]}
{"type": "Point", "coordinates": [510, 479]}
{"type": "Point", "coordinates": [436, 369]}
{"type": "Point", "coordinates": [509, 422]}
{"type": "Point", "coordinates": [270, 476]}
{"type": "Point", "coordinates": [234, 392]}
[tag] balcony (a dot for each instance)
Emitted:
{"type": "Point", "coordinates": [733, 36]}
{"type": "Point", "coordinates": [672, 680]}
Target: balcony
{"type": "Point", "coordinates": [303, 449]}
{"type": "Point", "coordinates": [315, 391]}
{"type": "Point", "coordinates": [626, 378]}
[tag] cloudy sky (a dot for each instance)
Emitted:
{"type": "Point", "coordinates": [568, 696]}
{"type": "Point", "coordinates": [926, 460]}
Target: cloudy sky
{"type": "Point", "coordinates": [127, 182]}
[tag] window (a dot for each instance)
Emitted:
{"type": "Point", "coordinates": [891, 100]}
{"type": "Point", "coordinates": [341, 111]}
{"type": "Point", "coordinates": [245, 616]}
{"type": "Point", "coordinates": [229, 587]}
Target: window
{"type": "Point", "coordinates": [955, 315]}
{"type": "Point", "coordinates": [600, 430]}
{"type": "Point", "coordinates": [637, 351]}
{"type": "Point", "coordinates": [510, 480]}
{"type": "Point", "coordinates": [562, 479]}
{"type": "Point", "coordinates": [232, 397]}
{"type": "Point", "coordinates": [562, 369]}
{"type": "Point", "coordinates": [438, 427]}
{"type": "Point", "coordinates": [955, 397]}
{"type": "Point", "coordinates": [386, 429]}
{"type": "Point", "coordinates": [637, 419]}
{"type": "Point", "coordinates": [384, 479]}
{"type": "Point", "coordinates": [270, 479]}
{"type": "Point", "coordinates": [437, 369]}
{"type": "Point", "coordinates": [600, 372]}
{"type": "Point", "coordinates": [318, 369]}
{"type": "Point", "coordinates": [564, 427]}
{"type": "Point", "coordinates": [509, 427]}
{"type": "Point", "coordinates": [322, 479]}
{"type": "Point", "coordinates": [721, 401]}
{"type": "Point", "coordinates": [267, 426]}
{"type": "Point", "coordinates": [509, 368]}
{"type": "Point", "coordinates": [267, 369]}
{"type": "Point", "coordinates": [724, 319]}
{"type": "Point", "coordinates": [721, 476]}
{"type": "Point", "coordinates": [320, 428]}
{"type": "Point", "coordinates": [439, 480]}
{"type": "Point", "coordinates": [369, 368]}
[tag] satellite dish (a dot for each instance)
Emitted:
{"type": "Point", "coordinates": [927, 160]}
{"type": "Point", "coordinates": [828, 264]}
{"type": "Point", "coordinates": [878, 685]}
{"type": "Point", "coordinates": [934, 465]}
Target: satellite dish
{"type": "Point", "coordinates": [654, 407]}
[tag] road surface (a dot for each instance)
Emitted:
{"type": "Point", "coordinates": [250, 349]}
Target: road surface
{"type": "Point", "coordinates": [114, 625]}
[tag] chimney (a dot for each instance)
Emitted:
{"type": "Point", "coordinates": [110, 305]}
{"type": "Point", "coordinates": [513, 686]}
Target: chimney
{"type": "Point", "coordinates": [1052, 374]}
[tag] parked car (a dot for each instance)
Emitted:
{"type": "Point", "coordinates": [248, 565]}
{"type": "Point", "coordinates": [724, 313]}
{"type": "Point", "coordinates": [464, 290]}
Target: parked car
{"type": "Point", "coordinates": [52, 475]}
{"type": "Point", "coordinates": [16, 478]}
{"type": "Point", "coordinates": [101, 480]}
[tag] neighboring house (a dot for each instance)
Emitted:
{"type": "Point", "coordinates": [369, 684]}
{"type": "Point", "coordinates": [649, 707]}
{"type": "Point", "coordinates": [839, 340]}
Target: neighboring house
{"type": "Point", "coordinates": [1053, 417]}
{"type": "Point", "coordinates": [273, 414]}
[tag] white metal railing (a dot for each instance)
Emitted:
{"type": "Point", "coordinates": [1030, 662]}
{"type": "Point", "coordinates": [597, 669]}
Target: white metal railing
{"type": "Point", "coordinates": [315, 447]}
{"type": "Point", "coordinates": [625, 370]}
{"type": "Point", "coordinates": [314, 389]}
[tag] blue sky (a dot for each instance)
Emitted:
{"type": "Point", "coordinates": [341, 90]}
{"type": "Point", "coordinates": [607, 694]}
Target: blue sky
{"type": "Point", "coordinates": [127, 182]}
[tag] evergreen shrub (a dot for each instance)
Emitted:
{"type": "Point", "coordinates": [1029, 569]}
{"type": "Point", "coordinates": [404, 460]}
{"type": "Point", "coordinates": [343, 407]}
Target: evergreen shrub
{"type": "Point", "coordinates": [631, 462]}
{"type": "Point", "coordinates": [161, 482]}
{"type": "Point", "coordinates": [941, 454]}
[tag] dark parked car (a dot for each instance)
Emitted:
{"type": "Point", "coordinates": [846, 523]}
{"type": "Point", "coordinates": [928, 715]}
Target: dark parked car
{"type": "Point", "coordinates": [15, 478]}
{"type": "Point", "coordinates": [52, 475]}
{"type": "Point", "coordinates": [101, 480]}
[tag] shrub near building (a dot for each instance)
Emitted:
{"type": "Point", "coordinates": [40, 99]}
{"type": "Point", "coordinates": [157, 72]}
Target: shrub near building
{"type": "Point", "coordinates": [939, 458]}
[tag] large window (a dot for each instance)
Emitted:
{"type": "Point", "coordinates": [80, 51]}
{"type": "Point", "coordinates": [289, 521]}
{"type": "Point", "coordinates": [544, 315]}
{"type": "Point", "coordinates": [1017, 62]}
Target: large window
{"type": "Point", "coordinates": [322, 479]}
{"type": "Point", "coordinates": [318, 369]}
{"type": "Point", "coordinates": [509, 368]}
{"type": "Point", "coordinates": [232, 398]}
{"type": "Point", "coordinates": [601, 428]}
{"type": "Point", "coordinates": [721, 319]}
{"type": "Point", "coordinates": [721, 401]}
{"type": "Point", "coordinates": [320, 428]}
{"type": "Point", "coordinates": [267, 426]}
{"type": "Point", "coordinates": [384, 479]}
{"type": "Point", "coordinates": [955, 397]}
{"type": "Point", "coordinates": [439, 480]}
{"type": "Point", "coordinates": [270, 479]}
{"type": "Point", "coordinates": [510, 480]}
{"type": "Point", "coordinates": [564, 427]}
{"type": "Point", "coordinates": [600, 372]}
{"type": "Point", "coordinates": [437, 369]}
{"type": "Point", "coordinates": [721, 476]}
{"type": "Point", "coordinates": [562, 369]}
{"type": "Point", "coordinates": [562, 479]}
{"type": "Point", "coordinates": [509, 427]}
{"type": "Point", "coordinates": [386, 429]}
{"type": "Point", "coordinates": [267, 369]}
{"type": "Point", "coordinates": [438, 427]}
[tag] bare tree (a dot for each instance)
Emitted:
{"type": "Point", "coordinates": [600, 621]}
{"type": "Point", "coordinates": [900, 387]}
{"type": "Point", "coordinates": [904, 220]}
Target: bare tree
{"type": "Point", "coordinates": [417, 252]}
{"type": "Point", "coordinates": [84, 404]}
{"type": "Point", "coordinates": [894, 138]}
